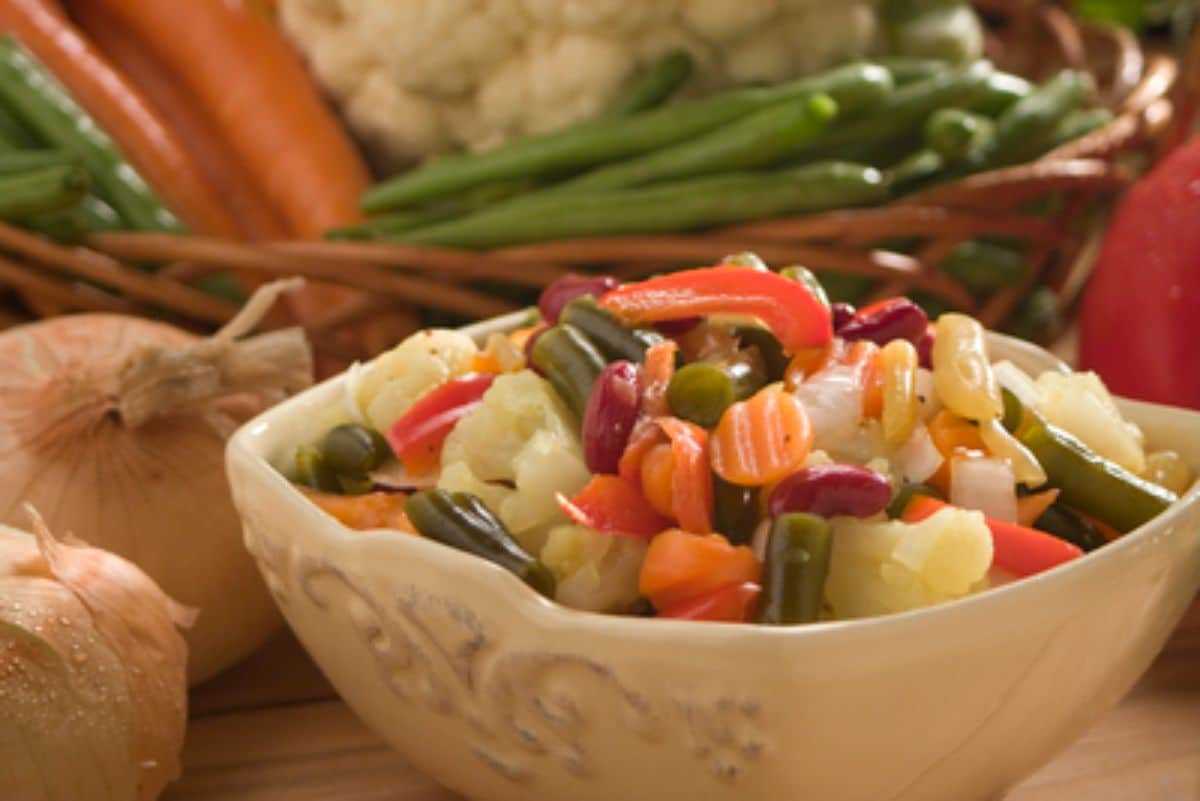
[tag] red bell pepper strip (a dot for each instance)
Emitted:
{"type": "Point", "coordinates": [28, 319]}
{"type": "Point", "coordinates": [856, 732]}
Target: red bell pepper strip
{"type": "Point", "coordinates": [732, 604]}
{"type": "Point", "coordinates": [1017, 550]}
{"type": "Point", "coordinates": [788, 308]}
{"type": "Point", "coordinates": [417, 437]}
{"type": "Point", "coordinates": [614, 506]}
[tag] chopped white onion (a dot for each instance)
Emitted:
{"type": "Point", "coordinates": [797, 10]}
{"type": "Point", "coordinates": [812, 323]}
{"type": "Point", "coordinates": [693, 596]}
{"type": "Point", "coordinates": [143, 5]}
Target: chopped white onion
{"type": "Point", "coordinates": [1018, 382]}
{"type": "Point", "coordinates": [986, 485]}
{"type": "Point", "coordinates": [758, 541]}
{"type": "Point", "coordinates": [393, 476]}
{"type": "Point", "coordinates": [833, 400]}
{"type": "Point", "coordinates": [927, 399]}
{"type": "Point", "coordinates": [918, 458]}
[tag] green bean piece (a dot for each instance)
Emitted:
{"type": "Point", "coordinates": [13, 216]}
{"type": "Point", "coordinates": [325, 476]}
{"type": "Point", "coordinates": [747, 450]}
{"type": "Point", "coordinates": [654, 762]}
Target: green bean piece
{"type": "Point", "coordinates": [853, 87]}
{"type": "Point", "coordinates": [746, 259]}
{"type": "Point", "coordinates": [654, 85]}
{"type": "Point", "coordinates": [91, 215]}
{"type": "Point", "coordinates": [795, 569]}
{"type": "Point", "coordinates": [914, 171]}
{"type": "Point", "coordinates": [570, 362]}
{"type": "Point", "coordinates": [19, 161]}
{"type": "Point", "coordinates": [999, 93]}
{"type": "Point", "coordinates": [31, 93]}
{"type": "Point", "coordinates": [462, 521]}
{"type": "Point", "coordinates": [1090, 483]}
{"type": "Point", "coordinates": [958, 136]}
{"type": "Point", "coordinates": [14, 134]}
{"type": "Point", "coordinates": [387, 226]}
{"type": "Point", "coordinates": [41, 191]}
{"type": "Point", "coordinates": [908, 70]}
{"type": "Point", "coordinates": [735, 511]}
{"type": "Point", "coordinates": [611, 338]}
{"type": "Point", "coordinates": [983, 266]}
{"type": "Point", "coordinates": [1068, 525]}
{"type": "Point", "coordinates": [906, 493]}
{"type": "Point", "coordinates": [1014, 411]}
{"type": "Point", "coordinates": [809, 279]}
{"type": "Point", "coordinates": [684, 206]}
{"type": "Point", "coordinates": [700, 393]}
{"type": "Point", "coordinates": [312, 471]}
{"type": "Point", "coordinates": [758, 140]}
{"type": "Point", "coordinates": [770, 350]}
{"type": "Point", "coordinates": [354, 450]}
{"type": "Point", "coordinates": [1079, 123]}
{"type": "Point", "coordinates": [900, 114]}
{"type": "Point", "coordinates": [1025, 129]}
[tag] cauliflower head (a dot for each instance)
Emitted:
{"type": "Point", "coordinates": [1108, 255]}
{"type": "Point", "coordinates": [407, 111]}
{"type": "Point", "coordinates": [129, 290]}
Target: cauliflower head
{"type": "Point", "coordinates": [418, 78]}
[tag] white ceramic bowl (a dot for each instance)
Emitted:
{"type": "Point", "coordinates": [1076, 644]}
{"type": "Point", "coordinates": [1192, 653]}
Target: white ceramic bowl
{"type": "Point", "coordinates": [500, 694]}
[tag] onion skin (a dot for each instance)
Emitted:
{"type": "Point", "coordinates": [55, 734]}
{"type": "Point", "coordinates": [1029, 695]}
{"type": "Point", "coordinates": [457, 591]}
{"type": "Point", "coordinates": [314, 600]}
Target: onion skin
{"type": "Point", "coordinates": [155, 494]}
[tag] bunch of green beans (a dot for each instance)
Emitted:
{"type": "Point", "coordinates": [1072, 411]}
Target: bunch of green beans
{"type": "Point", "coordinates": [861, 134]}
{"type": "Point", "coordinates": [60, 174]}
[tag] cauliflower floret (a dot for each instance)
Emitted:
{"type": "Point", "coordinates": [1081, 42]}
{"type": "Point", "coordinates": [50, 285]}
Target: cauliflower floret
{"type": "Point", "coordinates": [520, 435]}
{"type": "Point", "coordinates": [883, 567]}
{"type": "Point", "coordinates": [1080, 404]}
{"type": "Point", "coordinates": [388, 386]}
{"type": "Point", "coordinates": [596, 572]}
{"type": "Point", "coordinates": [419, 79]}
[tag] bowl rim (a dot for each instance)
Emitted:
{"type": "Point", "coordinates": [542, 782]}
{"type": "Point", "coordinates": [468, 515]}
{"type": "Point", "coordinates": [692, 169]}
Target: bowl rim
{"type": "Point", "coordinates": [552, 614]}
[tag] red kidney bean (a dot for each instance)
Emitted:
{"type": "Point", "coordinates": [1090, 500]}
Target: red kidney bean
{"type": "Point", "coordinates": [674, 328]}
{"type": "Point", "coordinates": [611, 411]}
{"type": "Point", "coordinates": [924, 345]}
{"type": "Point", "coordinates": [530, 341]}
{"type": "Point", "coordinates": [832, 489]}
{"type": "Point", "coordinates": [842, 314]}
{"type": "Point", "coordinates": [898, 318]}
{"type": "Point", "coordinates": [562, 291]}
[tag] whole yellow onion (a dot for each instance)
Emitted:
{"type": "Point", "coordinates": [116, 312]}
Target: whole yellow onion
{"type": "Point", "coordinates": [93, 689]}
{"type": "Point", "coordinates": [116, 426]}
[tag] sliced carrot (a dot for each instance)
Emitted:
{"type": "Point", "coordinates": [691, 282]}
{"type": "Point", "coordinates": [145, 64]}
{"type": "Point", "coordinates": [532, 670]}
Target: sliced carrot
{"type": "Point", "coordinates": [658, 468]}
{"type": "Point", "coordinates": [761, 440]}
{"type": "Point", "coordinates": [124, 114]}
{"type": "Point", "coordinates": [691, 478]}
{"type": "Point", "coordinates": [372, 510]}
{"type": "Point", "coordinates": [252, 211]}
{"type": "Point", "coordinates": [1031, 507]}
{"type": "Point", "coordinates": [485, 363]}
{"type": "Point", "coordinates": [521, 336]}
{"type": "Point", "coordinates": [257, 92]}
{"type": "Point", "coordinates": [657, 370]}
{"type": "Point", "coordinates": [680, 566]}
{"type": "Point", "coordinates": [953, 436]}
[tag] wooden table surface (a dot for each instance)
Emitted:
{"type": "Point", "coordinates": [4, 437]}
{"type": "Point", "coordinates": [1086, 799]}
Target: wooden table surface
{"type": "Point", "coordinates": [273, 730]}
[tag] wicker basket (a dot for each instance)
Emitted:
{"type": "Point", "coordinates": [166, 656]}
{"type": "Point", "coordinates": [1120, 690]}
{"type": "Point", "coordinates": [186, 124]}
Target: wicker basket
{"type": "Point", "coordinates": [1029, 38]}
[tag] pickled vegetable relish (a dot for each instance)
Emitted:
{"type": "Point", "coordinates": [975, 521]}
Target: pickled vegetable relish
{"type": "Point", "coordinates": [720, 444]}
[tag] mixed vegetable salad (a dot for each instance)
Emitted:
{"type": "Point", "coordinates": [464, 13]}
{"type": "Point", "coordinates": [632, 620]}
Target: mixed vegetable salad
{"type": "Point", "coordinates": [723, 444]}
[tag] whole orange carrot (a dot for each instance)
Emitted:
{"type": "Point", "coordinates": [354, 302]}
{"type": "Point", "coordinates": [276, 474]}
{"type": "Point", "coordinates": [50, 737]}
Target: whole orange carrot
{"type": "Point", "coordinates": [120, 110]}
{"type": "Point", "coordinates": [256, 90]}
{"type": "Point", "coordinates": [254, 214]}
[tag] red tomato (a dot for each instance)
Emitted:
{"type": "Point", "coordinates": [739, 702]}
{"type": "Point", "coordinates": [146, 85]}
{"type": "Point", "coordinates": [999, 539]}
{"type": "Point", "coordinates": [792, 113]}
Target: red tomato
{"type": "Point", "coordinates": [1141, 311]}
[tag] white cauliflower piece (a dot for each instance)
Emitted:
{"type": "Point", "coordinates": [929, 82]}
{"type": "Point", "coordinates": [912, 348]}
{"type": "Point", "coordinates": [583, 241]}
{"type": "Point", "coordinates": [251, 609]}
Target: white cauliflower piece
{"type": "Point", "coordinates": [879, 568]}
{"type": "Point", "coordinates": [521, 436]}
{"type": "Point", "coordinates": [595, 572]}
{"type": "Point", "coordinates": [417, 79]}
{"type": "Point", "coordinates": [1079, 403]}
{"type": "Point", "coordinates": [384, 389]}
